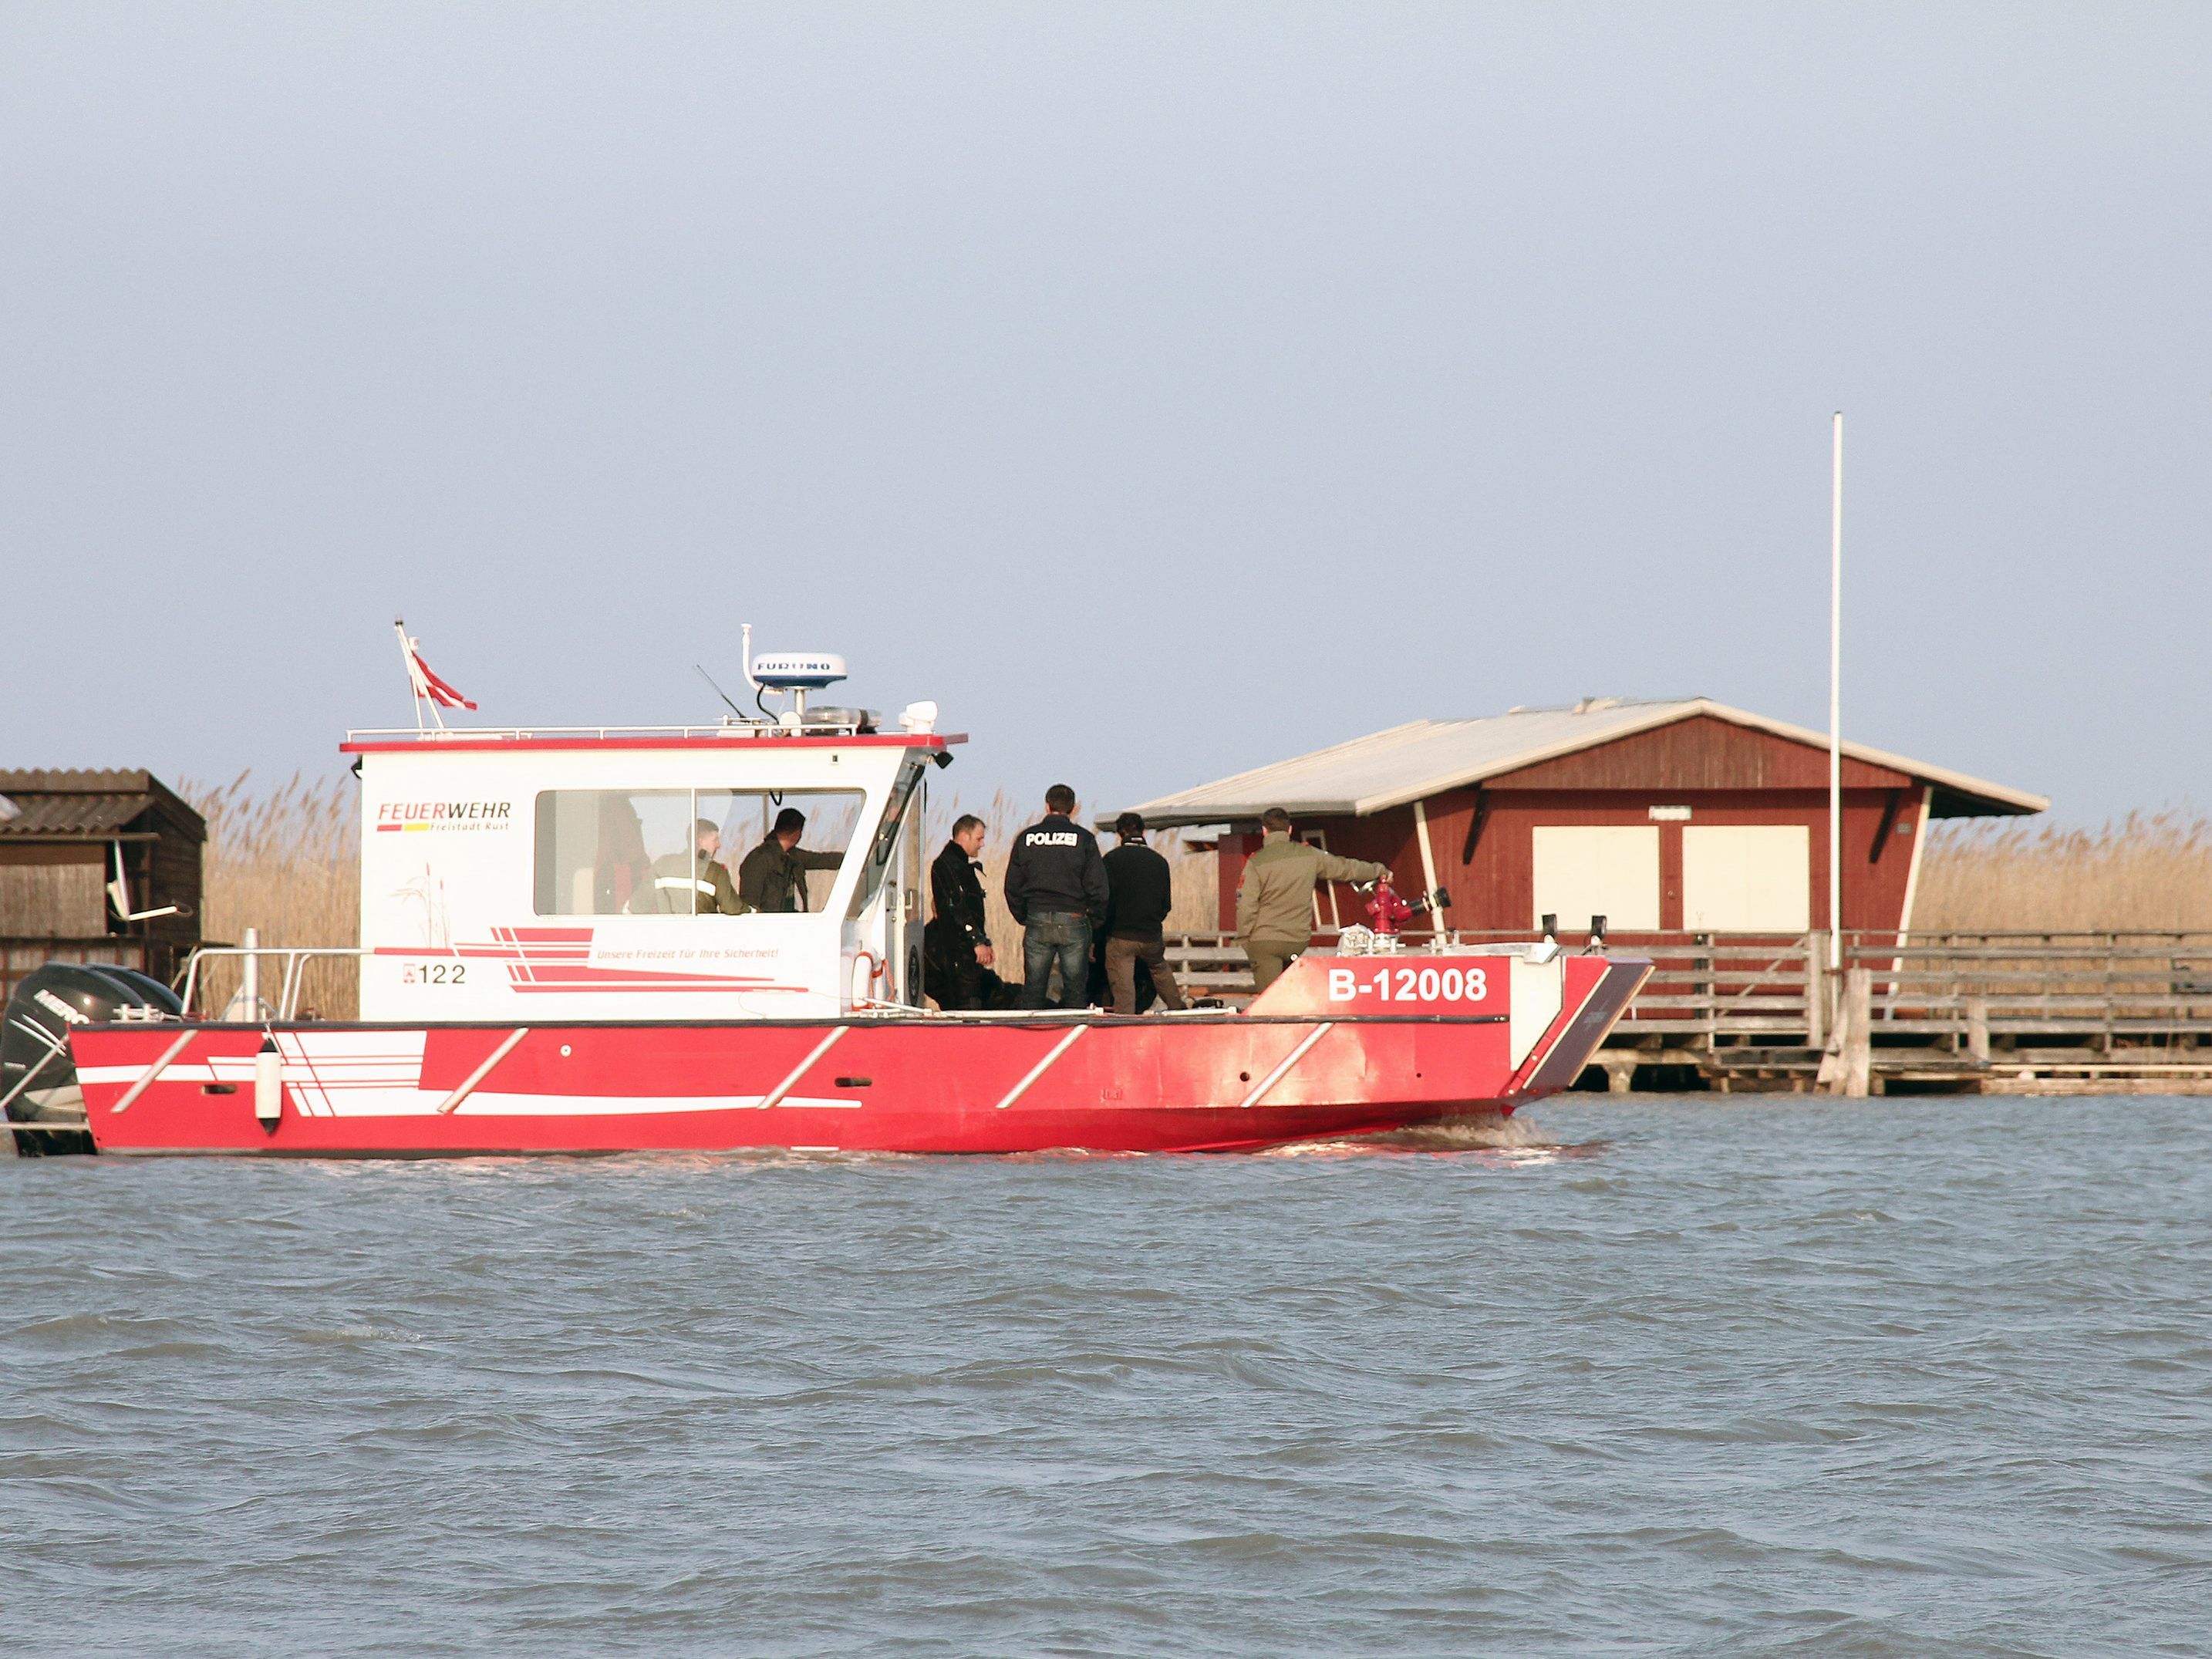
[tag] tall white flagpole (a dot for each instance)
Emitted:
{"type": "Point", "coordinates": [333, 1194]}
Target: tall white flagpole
{"type": "Point", "coordinates": [1836, 698]}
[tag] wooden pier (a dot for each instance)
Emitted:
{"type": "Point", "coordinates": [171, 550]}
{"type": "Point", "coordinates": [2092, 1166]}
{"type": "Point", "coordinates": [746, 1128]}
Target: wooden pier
{"type": "Point", "coordinates": [1974, 1013]}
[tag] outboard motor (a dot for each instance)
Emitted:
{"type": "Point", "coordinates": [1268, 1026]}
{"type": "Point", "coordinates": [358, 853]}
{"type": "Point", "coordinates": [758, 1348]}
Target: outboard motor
{"type": "Point", "coordinates": [38, 1078]}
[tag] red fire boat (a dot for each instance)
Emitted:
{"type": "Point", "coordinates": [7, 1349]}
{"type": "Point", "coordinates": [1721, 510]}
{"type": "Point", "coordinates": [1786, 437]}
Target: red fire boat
{"type": "Point", "coordinates": [535, 979]}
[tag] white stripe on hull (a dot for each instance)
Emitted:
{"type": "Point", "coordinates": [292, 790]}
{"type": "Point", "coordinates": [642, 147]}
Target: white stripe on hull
{"type": "Point", "coordinates": [359, 1090]}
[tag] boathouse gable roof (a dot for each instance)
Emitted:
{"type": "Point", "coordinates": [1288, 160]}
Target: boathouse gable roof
{"type": "Point", "coordinates": [1423, 758]}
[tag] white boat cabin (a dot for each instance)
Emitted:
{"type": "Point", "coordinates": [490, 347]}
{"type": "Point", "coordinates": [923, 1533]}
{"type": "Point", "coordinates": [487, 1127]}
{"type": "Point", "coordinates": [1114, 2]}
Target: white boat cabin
{"type": "Point", "coordinates": [544, 876]}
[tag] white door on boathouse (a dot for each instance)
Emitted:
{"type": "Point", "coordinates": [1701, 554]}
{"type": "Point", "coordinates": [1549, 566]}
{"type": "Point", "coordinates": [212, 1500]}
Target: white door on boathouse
{"type": "Point", "coordinates": [1747, 878]}
{"type": "Point", "coordinates": [1585, 870]}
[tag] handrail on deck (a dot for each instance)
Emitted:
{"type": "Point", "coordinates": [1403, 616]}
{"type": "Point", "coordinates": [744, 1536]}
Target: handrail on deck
{"type": "Point", "coordinates": [295, 957]}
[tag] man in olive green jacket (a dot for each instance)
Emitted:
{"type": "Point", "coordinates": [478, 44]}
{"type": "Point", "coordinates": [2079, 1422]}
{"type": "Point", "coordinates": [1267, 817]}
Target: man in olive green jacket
{"type": "Point", "coordinates": [699, 885]}
{"type": "Point", "coordinates": [1275, 897]}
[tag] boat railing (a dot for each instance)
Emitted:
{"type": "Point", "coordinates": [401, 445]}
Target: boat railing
{"type": "Point", "coordinates": [728, 728]}
{"type": "Point", "coordinates": [294, 957]}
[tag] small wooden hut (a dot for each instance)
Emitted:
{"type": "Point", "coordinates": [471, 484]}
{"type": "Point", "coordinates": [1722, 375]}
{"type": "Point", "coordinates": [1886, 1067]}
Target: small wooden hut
{"type": "Point", "coordinates": [96, 866]}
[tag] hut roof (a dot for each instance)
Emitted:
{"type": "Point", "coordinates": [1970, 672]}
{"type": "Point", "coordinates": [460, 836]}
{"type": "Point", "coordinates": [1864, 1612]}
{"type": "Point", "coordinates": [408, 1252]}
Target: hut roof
{"type": "Point", "coordinates": [89, 805]}
{"type": "Point", "coordinates": [1421, 758]}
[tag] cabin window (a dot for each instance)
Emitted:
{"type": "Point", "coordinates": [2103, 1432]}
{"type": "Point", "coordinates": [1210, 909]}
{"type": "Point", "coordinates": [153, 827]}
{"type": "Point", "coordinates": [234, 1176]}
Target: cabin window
{"type": "Point", "coordinates": [912, 880]}
{"type": "Point", "coordinates": [632, 851]}
{"type": "Point", "coordinates": [905, 797]}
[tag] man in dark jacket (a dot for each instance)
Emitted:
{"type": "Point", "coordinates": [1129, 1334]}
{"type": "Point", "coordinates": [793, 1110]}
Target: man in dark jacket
{"type": "Point", "coordinates": [957, 941]}
{"type": "Point", "coordinates": [1056, 890]}
{"type": "Point", "coordinates": [1141, 892]}
{"type": "Point", "coordinates": [773, 877]}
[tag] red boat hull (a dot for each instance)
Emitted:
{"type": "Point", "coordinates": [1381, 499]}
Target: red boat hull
{"type": "Point", "coordinates": [922, 1084]}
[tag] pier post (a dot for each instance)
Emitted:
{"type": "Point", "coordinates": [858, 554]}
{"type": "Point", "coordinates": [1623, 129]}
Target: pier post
{"type": "Point", "coordinates": [1977, 1029]}
{"type": "Point", "coordinates": [1858, 1033]}
{"type": "Point", "coordinates": [1816, 988]}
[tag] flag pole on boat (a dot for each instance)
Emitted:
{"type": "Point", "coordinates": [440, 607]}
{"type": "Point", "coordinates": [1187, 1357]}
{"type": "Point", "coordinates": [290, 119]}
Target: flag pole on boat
{"type": "Point", "coordinates": [424, 680]}
{"type": "Point", "coordinates": [418, 692]}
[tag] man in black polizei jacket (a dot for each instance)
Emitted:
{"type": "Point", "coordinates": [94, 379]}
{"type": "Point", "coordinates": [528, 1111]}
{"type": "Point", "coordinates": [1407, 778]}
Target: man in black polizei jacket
{"type": "Point", "coordinates": [1055, 887]}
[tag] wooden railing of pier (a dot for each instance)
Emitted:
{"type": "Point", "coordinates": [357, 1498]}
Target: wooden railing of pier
{"type": "Point", "coordinates": [2009, 1012]}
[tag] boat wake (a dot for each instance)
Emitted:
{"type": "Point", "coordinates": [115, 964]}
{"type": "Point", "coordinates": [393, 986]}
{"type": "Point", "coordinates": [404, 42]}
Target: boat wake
{"type": "Point", "coordinates": [1510, 1138]}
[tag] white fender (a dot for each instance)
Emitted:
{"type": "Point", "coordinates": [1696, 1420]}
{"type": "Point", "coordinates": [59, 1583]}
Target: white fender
{"type": "Point", "coordinates": [268, 1085]}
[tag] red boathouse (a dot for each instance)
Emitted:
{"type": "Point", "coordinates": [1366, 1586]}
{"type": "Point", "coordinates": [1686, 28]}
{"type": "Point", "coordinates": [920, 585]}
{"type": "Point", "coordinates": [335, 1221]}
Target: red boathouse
{"type": "Point", "coordinates": [1684, 815]}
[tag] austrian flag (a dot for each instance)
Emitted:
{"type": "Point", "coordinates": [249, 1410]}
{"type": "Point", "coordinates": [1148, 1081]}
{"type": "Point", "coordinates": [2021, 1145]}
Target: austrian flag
{"type": "Point", "coordinates": [428, 686]}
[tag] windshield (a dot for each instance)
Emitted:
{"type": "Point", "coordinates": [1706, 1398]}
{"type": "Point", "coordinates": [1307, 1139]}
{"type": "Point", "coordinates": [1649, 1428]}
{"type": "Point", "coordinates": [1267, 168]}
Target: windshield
{"type": "Point", "coordinates": [621, 852]}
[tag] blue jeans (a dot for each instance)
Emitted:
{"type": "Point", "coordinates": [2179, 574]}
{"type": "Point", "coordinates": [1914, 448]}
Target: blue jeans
{"type": "Point", "coordinates": [1051, 936]}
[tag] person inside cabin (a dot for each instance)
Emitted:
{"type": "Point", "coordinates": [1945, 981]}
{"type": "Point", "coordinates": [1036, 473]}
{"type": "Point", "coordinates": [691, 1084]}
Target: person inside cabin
{"type": "Point", "coordinates": [1276, 896]}
{"type": "Point", "coordinates": [1140, 892]}
{"type": "Point", "coordinates": [623, 871]}
{"type": "Point", "coordinates": [699, 885]}
{"type": "Point", "coordinates": [957, 944]}
{"type": "Point", "coordinates": [1055, 887]}
{"type": "Point", "coordinates": [773, 877]}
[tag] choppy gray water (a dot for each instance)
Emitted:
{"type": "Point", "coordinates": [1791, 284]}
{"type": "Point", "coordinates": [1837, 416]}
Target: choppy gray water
{"type": "Point", "coordinates": [1905, 1377]}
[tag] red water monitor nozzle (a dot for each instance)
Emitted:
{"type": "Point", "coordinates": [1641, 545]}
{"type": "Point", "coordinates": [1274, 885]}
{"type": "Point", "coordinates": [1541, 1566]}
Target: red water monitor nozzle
{"type": "Point", "coordinates": [1388, 911]}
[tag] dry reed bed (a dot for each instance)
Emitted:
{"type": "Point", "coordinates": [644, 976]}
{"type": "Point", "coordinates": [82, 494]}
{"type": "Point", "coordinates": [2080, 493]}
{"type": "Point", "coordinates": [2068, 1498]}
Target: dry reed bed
{"type": "Point", "coordinates": [288, 862]}
{"type": "Point", "coordinates": [2149, 872]}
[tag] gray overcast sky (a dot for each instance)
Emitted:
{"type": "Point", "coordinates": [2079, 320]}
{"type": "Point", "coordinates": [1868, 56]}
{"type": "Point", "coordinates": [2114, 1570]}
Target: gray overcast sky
{"type": "Point", "coordinates": [1164, 389]}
